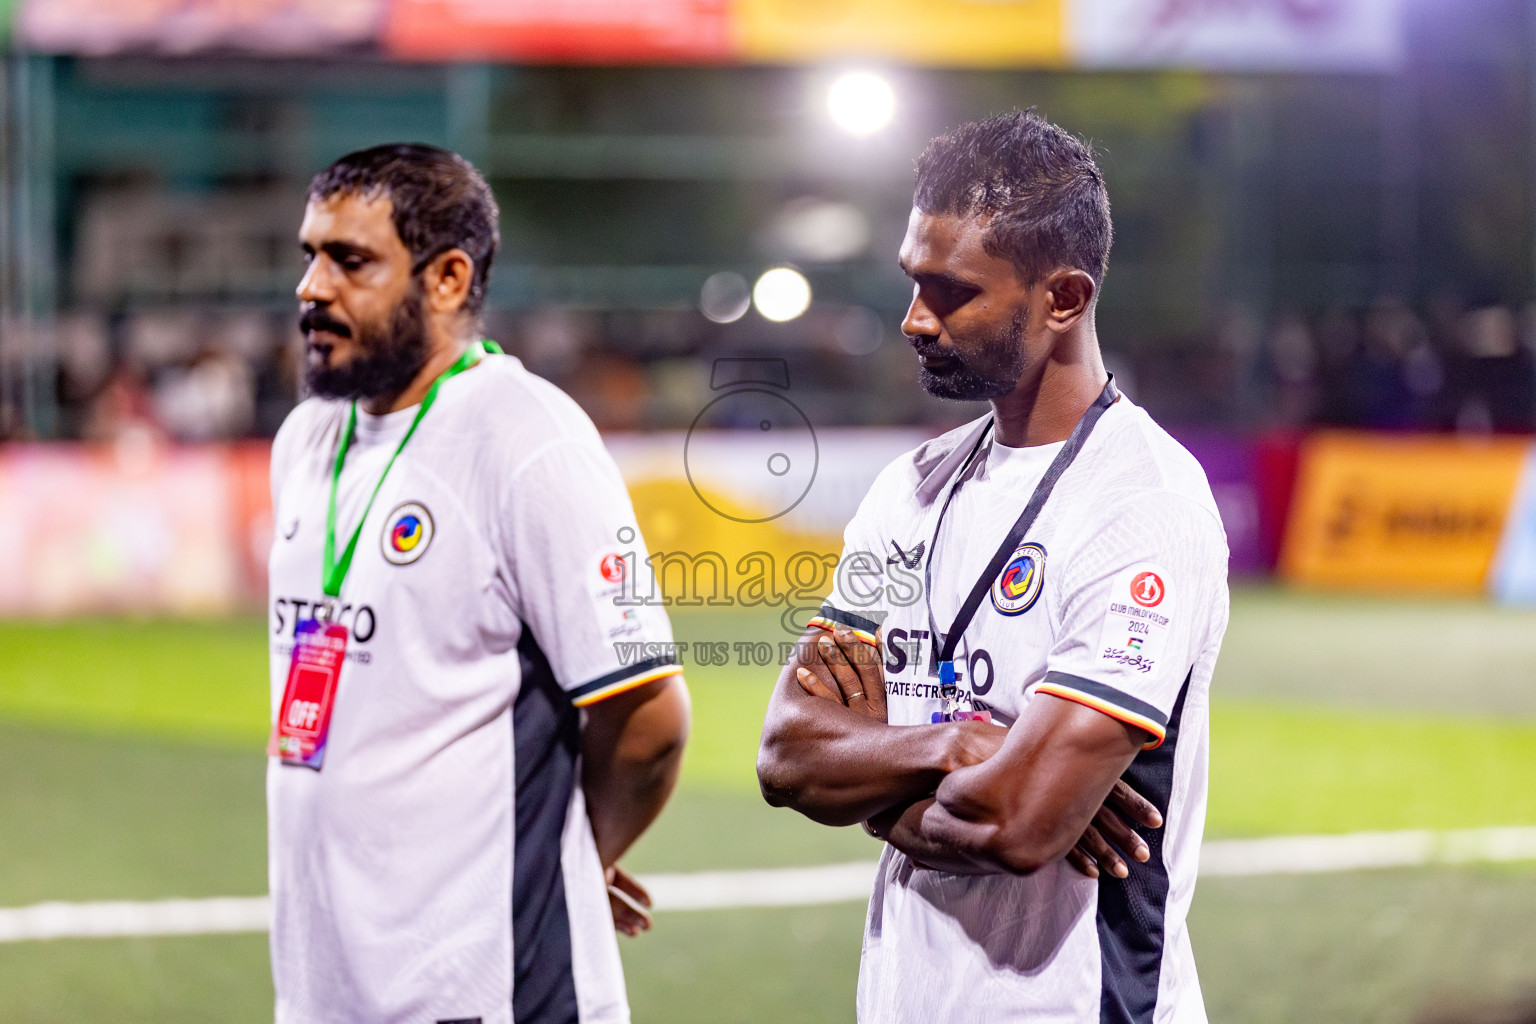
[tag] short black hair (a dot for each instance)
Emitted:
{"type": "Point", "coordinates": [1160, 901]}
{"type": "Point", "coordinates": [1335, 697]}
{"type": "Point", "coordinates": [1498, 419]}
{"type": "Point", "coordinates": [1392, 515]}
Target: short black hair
{"type": "Point", "coordinates": [1039, 184]}
{"type": "Point", "coordinates": [440, 202]}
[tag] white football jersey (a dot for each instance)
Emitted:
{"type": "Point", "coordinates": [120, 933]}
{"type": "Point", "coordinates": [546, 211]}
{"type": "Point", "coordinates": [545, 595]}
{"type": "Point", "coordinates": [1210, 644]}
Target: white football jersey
{"type": "Point", "coordinates": [1117, 599]}
{"type": "Point", "coordinates": [440, 866]}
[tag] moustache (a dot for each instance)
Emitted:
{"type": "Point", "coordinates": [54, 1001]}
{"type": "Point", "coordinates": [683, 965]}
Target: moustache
{"type": "Point", "coordinates": [929, 349]}
{"type": "Point", "coordinates": [317, 320]}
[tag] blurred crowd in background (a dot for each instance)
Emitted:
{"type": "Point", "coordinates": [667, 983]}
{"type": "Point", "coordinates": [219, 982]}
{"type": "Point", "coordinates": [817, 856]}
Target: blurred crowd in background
{"type": "Point", "coordinates": [1347, 245]}
{"type": "Point", "coordinates": [1452, 365]}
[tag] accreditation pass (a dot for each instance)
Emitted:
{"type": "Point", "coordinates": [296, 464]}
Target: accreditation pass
{"type": "Point", "coordinates": [304, 717]}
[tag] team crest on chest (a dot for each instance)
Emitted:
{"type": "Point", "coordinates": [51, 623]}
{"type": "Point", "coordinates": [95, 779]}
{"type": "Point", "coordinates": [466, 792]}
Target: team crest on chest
{"type": "Point", "coordinates": [407, 533]}
{"type": "Point", "coordinates": [1018, 586]}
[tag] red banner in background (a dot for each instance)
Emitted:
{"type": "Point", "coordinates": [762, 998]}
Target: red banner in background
{"type": "Point", "coordinates": [248, 476]}
{"type": "Point", "coordinates": [1277, 460]}
{"type": "Point", "coordinates": [134, 528]}
{"type": "Point", "coordinates": [582, 31]}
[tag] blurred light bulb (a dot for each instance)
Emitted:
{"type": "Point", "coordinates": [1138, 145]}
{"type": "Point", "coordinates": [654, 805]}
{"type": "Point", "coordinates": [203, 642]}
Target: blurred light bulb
{"type": "Point", "coordinates": [725, 297]}
{"type": "Point", "coordinates": [858, 331]}
{"type": "Point", "coordinates": [822, 231]}
{"type": "Point", "coordinates": [782, 294]}
{"type": "Point", "coordinates": [861, 102]}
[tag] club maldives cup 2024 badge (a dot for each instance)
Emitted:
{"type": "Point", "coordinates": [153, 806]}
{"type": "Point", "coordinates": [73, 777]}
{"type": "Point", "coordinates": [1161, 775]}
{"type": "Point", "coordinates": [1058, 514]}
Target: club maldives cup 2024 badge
{"type": "Point", "coordinates": [1017, 587]}
{"type": "Point", "coordinates": [1137, 624]}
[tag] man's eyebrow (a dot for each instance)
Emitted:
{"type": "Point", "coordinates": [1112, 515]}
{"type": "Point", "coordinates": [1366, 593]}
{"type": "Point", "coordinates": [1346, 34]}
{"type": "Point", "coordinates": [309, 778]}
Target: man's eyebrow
{"type": "Point", "coordinates": [941, 277]}
{"type": "Point", "coordinates": [337, 248]}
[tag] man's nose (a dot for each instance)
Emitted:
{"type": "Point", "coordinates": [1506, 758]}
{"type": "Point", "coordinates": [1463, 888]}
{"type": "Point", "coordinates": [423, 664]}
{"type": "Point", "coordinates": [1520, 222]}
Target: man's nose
{"type": "Point", "coordinates": [920, 321]}
{"type": "Point", "coordinates": [316, 284]}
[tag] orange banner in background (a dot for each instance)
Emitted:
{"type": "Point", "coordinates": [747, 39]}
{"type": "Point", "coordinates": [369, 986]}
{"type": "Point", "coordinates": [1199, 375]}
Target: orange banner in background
{"type": "Point", "coordinates": [1413, 514]}
{"type": "Point", "coordinates": [963, 33]}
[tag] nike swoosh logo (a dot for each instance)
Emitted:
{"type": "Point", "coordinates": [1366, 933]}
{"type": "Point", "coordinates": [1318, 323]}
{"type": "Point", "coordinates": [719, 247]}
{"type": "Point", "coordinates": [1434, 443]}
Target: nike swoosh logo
{"type": "Point", "coordinates": [909, 559]}
{"type": "Point", "coordinates": [292, 531]}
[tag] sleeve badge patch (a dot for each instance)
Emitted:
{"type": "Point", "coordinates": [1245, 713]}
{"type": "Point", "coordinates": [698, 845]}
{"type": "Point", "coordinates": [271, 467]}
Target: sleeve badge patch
{"type": "Point", "coordinates": [1137, 620]}
{"type": "Point", "coordinates": [616, 594]}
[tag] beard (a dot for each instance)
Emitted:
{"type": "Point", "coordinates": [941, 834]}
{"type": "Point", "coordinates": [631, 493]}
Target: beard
{"type": "Point", "coordinates": [389, 357]}
{"type": "Point", "coordinates": [988, 369]}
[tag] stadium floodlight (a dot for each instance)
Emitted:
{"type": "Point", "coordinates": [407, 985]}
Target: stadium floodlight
{"type": "Point", "coordinates": [861, 102]}
{"type": "Point", "coordinates": [725, 297]}
{"type": "Point", "coordinates": [782, 294]}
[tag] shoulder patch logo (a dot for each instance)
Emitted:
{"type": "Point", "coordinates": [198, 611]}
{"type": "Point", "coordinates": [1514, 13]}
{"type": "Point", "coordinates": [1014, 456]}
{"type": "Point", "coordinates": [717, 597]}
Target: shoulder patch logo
{"type": "Point", "coordinates": [1147, 589]}
{"type": "Point", "coordinates": [1017, 587]}
{"type": "Point", "coordinates": [407, 533]}
{"type": "Point", "coordinates": [612, 567]}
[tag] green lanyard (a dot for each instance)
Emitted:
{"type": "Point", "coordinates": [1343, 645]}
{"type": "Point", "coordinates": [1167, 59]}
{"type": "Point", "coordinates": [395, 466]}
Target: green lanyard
{"type": "Point", "coordinates": [332, 571]}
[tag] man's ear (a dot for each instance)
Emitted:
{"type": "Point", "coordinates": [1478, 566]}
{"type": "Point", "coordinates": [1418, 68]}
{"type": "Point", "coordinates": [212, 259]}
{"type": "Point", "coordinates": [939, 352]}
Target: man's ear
{"type": "Point", "coordinates": [446, 281]}
{"type": "Point", "coordinates": [1069, 294]}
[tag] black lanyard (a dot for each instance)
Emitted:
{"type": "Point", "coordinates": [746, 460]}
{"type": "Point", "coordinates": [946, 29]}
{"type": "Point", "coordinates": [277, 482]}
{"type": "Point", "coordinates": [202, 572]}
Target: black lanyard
{"type": "Point", "coordinates": [944, 643]}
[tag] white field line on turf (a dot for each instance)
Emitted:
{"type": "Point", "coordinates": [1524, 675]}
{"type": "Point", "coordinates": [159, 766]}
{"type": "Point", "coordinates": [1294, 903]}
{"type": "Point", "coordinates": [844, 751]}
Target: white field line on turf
{"type": "Point", "coordinates": [786, 887]}
{"type": "Point", "coordinates": [113, 920]}
{"type": "Point", "coordinates": [1288, 855]}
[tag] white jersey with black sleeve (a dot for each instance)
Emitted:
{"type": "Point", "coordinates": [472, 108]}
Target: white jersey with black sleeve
{"type": "Point", "coordinates": [1116, 599]}
{"type": "Point", "coordinates": [440, 866]}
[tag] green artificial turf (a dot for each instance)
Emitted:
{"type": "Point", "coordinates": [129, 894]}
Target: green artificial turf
{"type": "Point", "coordinates": [1277, 770]}
{"type": "Point", "coordinates": [1289, 754]}
{"type": "Point", "coordinates": [131, 768]}
{"type": "Point", "coordinates": [1459, 656]}
{"type": "Point", "coordinates": [760, 966]}
{"type": "Point", "coordinates": [195, 979]}
{"type": "Point", "coordinates": [110, 818]}
{"type": "Point", "coordinates": [200, 679]}
{"type": "Point", "coordinates": [1363, 948]}
{"type": "Point", "coordinates": [103, 817]}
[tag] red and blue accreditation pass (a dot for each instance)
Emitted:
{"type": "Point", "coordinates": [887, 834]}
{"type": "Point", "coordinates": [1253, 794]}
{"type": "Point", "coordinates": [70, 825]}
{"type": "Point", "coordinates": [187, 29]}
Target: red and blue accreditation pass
{"type": "Point", "coordinates": [304, 717]}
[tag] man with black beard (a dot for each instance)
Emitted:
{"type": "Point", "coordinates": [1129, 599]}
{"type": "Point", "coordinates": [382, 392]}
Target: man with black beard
{"type": "Point", "coordinates": [995, 733]}
{"type": "Point", "coordinates": [459, 754]}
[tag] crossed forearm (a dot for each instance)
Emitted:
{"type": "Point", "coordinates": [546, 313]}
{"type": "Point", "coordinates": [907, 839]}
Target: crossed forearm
{"type": "Point", "coordinates": [839, 772]}
{"type": "Point", "coordinates": [839, 767]}
{"type": "Point", "coordinates": [965, 796]}
{"type": "Point", "coordinates": [934, 838]}
{"type": "Point", "coordinates": [955, 830]}
{"type": "Point", "coordinates": [1045, 793]}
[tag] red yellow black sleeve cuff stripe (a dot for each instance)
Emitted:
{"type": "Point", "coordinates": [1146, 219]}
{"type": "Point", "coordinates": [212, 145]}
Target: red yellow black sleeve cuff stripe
{"type": "Point", "coordinates": [862, 628]}
{"type": "Point", "coordinates": [626, 678]}
{"type": "Point", "coordinates": [1106, 699]}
